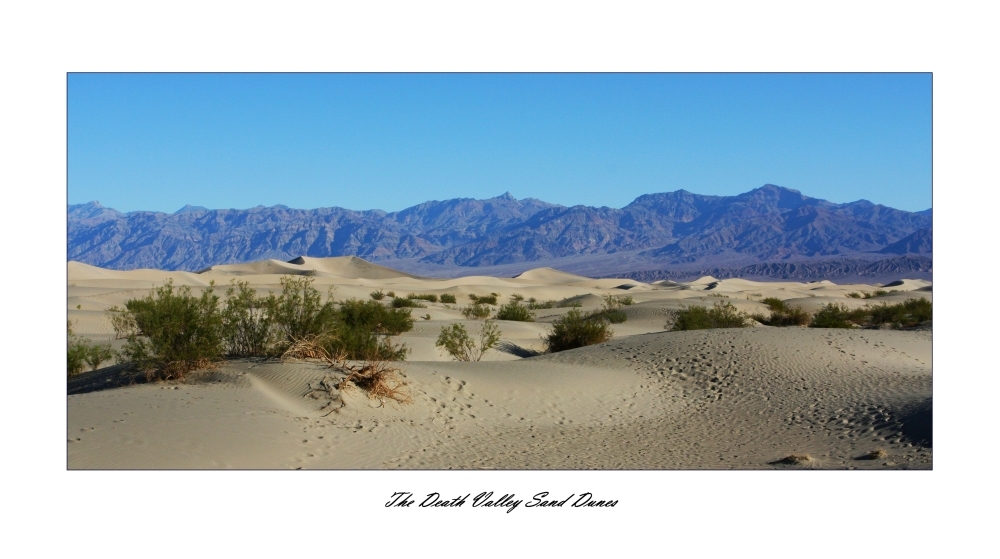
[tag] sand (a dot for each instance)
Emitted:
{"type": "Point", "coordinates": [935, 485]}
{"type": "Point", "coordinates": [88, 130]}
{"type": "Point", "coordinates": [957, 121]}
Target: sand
{"type": "Point", "coordinates": [647, 399]}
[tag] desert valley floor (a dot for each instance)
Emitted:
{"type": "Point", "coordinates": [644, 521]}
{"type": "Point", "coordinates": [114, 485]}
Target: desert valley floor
{"type": "Point", "coordinates": [742, 398]}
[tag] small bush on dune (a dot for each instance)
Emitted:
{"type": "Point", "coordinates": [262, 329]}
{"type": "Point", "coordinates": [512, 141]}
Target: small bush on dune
{"type": "Point", "coordinates": [424, 297]}
{"type": "Point", "coordinates": [363, 328]}
{"type": "Point", "coordinates": [906, 314]}
{"type": "Point", "coordinates": [490, 299]}
{"type": "Point", "coordinates": [576, 329]}
{"type": "Point", "coordinates": [403, 303]}
{"type": "Point", "coordinates": [774, 303]}
{"type": "Point", "coordinates": [534, 305]}
{"type": "Point", "coordinates": [476, 311]}
{"type": "Point", "coordinates": [177, 332]}
{"type": "Point", "coordinates": [782, 314]}
{"type": "Point", "coordinates": [876, 293]}
{"type": "Point", "coordinates": [448, 298]}
{"type": "Point", "coordinates": [456, 341]}
{"type": "Point", "coordinates": [300, 311]}
{"type": "Point", "coordinates": [514, 311]}
{"type": "Point", "coordinates": [854, 295]}
{"type": "Point", "coordinates": [612, 309]}
{"type": "Point", "coordinates": [517, 297]}
{"type": "Point", "coordinates": [247, 323]}
{"type": "Point", "coordinates": [97, 354]}
{"type": "Point", "coordinates": [837, 315]}
{"type": "Point", "coordinates": [721, 315]}
{"type": "Point", "coordinates": [377, 295]}
{"type": "Point", "coordinates": [567, 304]}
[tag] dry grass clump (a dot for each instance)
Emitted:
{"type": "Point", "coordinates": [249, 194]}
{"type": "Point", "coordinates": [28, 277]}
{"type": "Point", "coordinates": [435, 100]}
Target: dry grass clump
{"type": "Point", "coordinates": [796, 460]}
{"type": "Point", "coordinates": [877, 454]}
{"type": "Point", "coordinates": [374, 375]}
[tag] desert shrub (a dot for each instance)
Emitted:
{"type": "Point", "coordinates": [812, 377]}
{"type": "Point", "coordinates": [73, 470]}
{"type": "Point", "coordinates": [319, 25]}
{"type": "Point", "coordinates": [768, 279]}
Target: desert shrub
{"type": "Point", "coordinates": [514, 311]}
{"type": "Point", "coordinates": [377, 295]}
{"type": "Point", "coordinates": [719, 295]}
{"type": "Point", "coordinates": [457, 342]}
{"type": "Point", "coordinates": [448, 298]}
{"type": "Point", "coordinates": [782, 314]}
{"type": "Point", "coordinates": [424, 297]}
{"type": "Point", "coordinates": [362, 331]}
{"type": "Point", "coordinates": [616, 316]}
{"type": "Point", "coordinates": [300, 311]}
{"type": "Point", "coordinates": [354, 314]}
{"type": "Point", "coordinates": [854, 295]}
{"type": "Point", "coordinates": [490, 299]}
{"type": "Point", "coordinates": [517, 297]}
{"type": "Point", "coordinates": [774, 303]}
{"type": "Point", "coordinates": [576, 329]}
{"type": "Point", "coordinates": [908, 313]}
{"type": "Point", "coordinates": [476, 311]}
{"type": "Point", "coordinates": [390, 293]}
{"type": "Point", "coordinates": [122, 322]}
{"type": "Point", "coordinates": [567, 304]}
{"type": "Point", "coordinates": [406, 302]}
{"type": "Point", "coordinates": [176, 331]}
{"type": "Point", "coordinates": [247, 322]}
{"type": "Point", "coordinates": [721, 315]}
{"type": "Point", "coordinates": [97, 354]}
{"type": "Point", "coordinates": [876, 293]}
{"type": "Point", "coordinates": [837, 315]}
{"type": "Point", "coordinates": [535, 305]}
{"type": "Point", "coordinates": [611, 309]}
{"type": "Point", "coordinates": [76, 357]}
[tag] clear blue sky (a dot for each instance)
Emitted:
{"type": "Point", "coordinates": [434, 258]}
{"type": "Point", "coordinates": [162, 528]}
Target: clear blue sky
{"type": "Point", "coordinates": [389, 141]}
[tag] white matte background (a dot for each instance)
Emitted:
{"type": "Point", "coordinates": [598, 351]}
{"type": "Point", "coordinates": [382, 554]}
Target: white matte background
{"type": "Point", "coordinates": [816, 514]}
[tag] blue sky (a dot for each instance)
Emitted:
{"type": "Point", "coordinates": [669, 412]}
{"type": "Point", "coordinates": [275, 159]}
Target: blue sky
{"type": "Point", "coordinates": [389, 141]}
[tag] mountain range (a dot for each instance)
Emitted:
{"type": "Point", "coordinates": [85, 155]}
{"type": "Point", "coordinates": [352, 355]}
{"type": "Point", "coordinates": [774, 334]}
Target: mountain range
{"type": "Point", "coordinates": [770, 224]}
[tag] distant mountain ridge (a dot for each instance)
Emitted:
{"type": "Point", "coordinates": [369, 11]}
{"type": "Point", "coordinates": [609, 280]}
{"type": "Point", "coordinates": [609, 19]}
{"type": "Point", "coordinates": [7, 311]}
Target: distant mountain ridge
{"type": "Point", "coordinates": [767, 223]}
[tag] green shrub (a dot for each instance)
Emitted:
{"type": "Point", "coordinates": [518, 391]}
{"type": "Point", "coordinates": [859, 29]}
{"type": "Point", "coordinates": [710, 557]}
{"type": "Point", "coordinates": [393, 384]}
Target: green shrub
{"type": "Point", "coordinates": [782, 314]}
{"type": "Point", "coordinates": [76, 354]}
{"type": "Point", "coordinates": [567, 304]}
{"type": "Point", "coordinates": [576, 329]}
{"type": "Point", "coordinates": [425, 297]}
{"type": "Point", "coordinates": [176, 331]}
{"type": "Point", "coordinates": [448, 298]}
{"type": "Point", "coordinates": [122, 322]}
{"type": "Point", "coordinates": [354, 314]}
{"type": "Point", "coordinates": [517, 297]}
{"type": "Point", "coordinates": [721, 315]}
{"type": "Point", "coordinates": [876, 293]}
{"type": "Point", "coordinates": [535, 305]}
{"type": "Point", "coordinates": [377, 295]}
{"type": "Point", "coordinates": [854, 295]}
{"type": "Point", "coordinates": [611, 310]}
{"type": "Point", "coordinates": [490, 299]}
{"type": "Point", "coordinates": [403, 303]}
{"type": "Point", "coordinates": [906, 314]}
{"type": "Point", "coordinates": [97, 354]}
{"type": "Point", "coordinates": [514, 311]}
{"type": "Point", "coordinates": [476, 311]}
{"type": "Point", "coordinates": [718, 295]}
{"type": "Point", "coordinates": [247, 322]}
{"type": "Point", "coordinates": [299, 311]}
{"type": "Point", "coordinates": [457, 342]}
{"type": "Point", "coordinates": [837, 315]}
{"type": "Point", "coordinates": [774, 304]}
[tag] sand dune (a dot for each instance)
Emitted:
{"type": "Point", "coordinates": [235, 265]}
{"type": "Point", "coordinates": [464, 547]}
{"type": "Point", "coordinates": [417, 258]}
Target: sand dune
{"type": "Point", "coordinates": [734, 398]}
